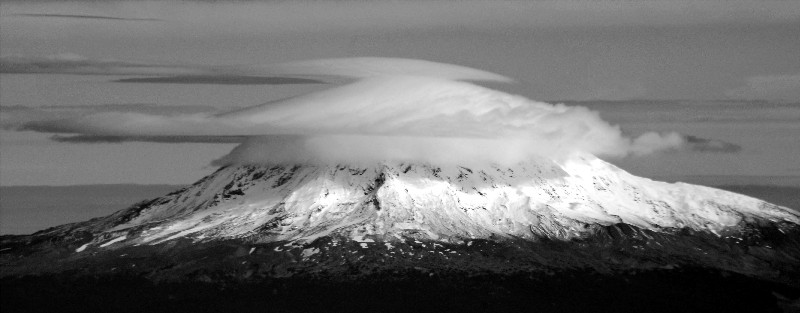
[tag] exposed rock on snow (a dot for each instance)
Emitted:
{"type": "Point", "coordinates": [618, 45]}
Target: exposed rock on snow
{"type": "Point", "coordinates": [390, 201]}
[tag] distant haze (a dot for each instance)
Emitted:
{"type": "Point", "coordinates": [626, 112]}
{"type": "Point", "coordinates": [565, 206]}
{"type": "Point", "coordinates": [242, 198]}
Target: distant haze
{"type": "Point", "coordinates": [26, 209]}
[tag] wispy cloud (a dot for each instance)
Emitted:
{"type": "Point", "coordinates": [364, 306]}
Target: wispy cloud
{"type": "Point", "coordinates": [83, 16]}
{"type": "Point", "coordinates": [695, 111]}
{"type": "Point", "coordinates": [70, 63]}
{"type": "Point", "coordinates": [368, 67]}
{"type": "Point", "coordinates": [220, 80]}
{"type": "Point", "coordinates": [313, 72]}
{"type": "Point", "coordinates": [156, 139]}
{"type": "Point", "coordinates": [698, 144]}
{"type": "Point", "coordinates": [27, 118]}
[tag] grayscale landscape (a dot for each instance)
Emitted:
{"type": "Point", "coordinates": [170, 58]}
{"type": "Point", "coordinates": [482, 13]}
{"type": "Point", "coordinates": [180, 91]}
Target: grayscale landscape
{"type": "Point", "coordinates": [399, 156]}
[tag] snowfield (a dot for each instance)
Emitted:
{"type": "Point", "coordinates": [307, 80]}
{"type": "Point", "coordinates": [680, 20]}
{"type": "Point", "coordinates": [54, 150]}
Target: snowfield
{"type": "Point", "coordinates": [390, 201]}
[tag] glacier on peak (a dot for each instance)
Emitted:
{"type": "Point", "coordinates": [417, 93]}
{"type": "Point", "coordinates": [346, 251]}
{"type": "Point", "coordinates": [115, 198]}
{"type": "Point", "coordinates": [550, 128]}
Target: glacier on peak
{"type": "Point", "coordinates": [541, 198]}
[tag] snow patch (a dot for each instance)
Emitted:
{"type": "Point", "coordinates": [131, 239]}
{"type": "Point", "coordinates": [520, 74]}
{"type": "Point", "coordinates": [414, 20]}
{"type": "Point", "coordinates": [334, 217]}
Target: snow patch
{"type": "Point", "coordinates": [81, 248]}
{"type": "Point", "coordinates": [309, 252]}
{"type": "Point", "coordinates": [360, 238]}
{"type": "Point", "coordinates": [115, 240]}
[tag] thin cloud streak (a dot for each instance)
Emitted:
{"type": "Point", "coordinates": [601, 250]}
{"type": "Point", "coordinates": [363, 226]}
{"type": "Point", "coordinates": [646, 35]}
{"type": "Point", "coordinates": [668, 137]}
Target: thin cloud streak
{"type": "Point", "coordinates": [92, 139]}
{"type": "Point", "coordinates": [304, 72]}
{"type": "Point", "coordinates": [22, 117]}
{"type": "Point", "coordinates": [690, 143]}
{"type": "Point", "coordinates": [69, 63]}
{"type": "Point", "coordinates": [695, 111]}
{"type": "Point", "coordinates": [220, 80]}
{"type": "Point", "coordinates": [698, 144]}
{"type": "Point", "coordinates": [80, 16]}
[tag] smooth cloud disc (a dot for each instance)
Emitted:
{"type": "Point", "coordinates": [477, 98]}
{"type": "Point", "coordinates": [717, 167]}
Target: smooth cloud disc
{"type": "Point", "coordinates": [398, 117]}
{"type": "Point", "coordinates": [367, 67]}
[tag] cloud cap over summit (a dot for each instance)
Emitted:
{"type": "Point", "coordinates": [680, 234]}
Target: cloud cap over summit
{"type": "Point", "coordinates": [388, 113]}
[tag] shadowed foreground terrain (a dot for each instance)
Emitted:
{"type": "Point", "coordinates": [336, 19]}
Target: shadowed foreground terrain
{"type": "Point", "coordinates": [609, 272]}
{"type": "Point", "coordinates": [676, 290]}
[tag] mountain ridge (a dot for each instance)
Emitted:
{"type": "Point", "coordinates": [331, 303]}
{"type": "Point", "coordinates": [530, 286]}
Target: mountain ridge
{"type": "Point", "coordinates": [576, 211]}
{"type": "Point", "coordinates": [549, 236]}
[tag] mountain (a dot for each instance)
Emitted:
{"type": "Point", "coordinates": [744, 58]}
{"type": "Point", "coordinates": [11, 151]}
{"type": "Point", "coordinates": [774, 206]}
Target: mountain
{"type": "Point", "coordinates": [362, 222]}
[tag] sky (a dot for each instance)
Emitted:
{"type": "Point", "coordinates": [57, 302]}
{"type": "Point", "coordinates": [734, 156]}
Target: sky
{"type": "Point", "coordinates": [725, 71]}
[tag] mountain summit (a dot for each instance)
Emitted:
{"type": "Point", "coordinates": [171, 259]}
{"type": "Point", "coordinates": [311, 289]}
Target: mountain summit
{"type": "Point", "coordinates": [388, 201]}
{"type": "Point", "coordinates": [438, 234]}
{"type": "Point", "coordinates": [581, 201]}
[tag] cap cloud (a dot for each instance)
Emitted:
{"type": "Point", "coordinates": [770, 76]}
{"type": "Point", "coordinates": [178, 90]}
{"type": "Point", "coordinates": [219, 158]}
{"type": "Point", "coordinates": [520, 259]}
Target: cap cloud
{"type": "Point", "coordinates": [389, 114]}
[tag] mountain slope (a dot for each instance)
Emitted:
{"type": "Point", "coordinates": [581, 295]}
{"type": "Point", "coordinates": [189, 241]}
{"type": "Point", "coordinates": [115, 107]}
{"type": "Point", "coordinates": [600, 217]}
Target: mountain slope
{"type": "Point", "coordinates": [581, 212]}
{"type": "Point", "coordinates": [533, 200]}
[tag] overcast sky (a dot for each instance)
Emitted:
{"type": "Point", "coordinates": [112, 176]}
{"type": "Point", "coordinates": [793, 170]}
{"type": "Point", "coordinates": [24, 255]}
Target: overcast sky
{"type": "Point", "coordinates": [556, 50]}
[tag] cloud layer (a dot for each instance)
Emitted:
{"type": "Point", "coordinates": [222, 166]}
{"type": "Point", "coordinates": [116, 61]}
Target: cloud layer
{"type": "Point", "coordinates": [367, 67]}
{"type": "Point", "coordinates": [302, 72]}
{"type": "Point", "coordinates": [82, 16]}
{"type": "Point", "coordinates": [46, 117]}
{"type": "Point", "coordinates": [69, 63]}
{"type": "Point", "coordinates": [429, 117]}
{"type": "Point", "coordinates": [219, 80]}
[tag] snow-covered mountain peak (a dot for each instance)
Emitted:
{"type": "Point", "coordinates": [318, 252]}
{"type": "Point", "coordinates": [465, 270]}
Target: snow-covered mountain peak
{"type": "Point", "coordinates": [537, 199]}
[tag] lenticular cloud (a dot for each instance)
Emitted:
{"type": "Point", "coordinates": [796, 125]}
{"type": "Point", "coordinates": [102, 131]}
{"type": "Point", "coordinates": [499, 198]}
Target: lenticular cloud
{"type": "Point", "coordinates": [367, 67]}
{"type": "Point", "coordinates": [405, 110]}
